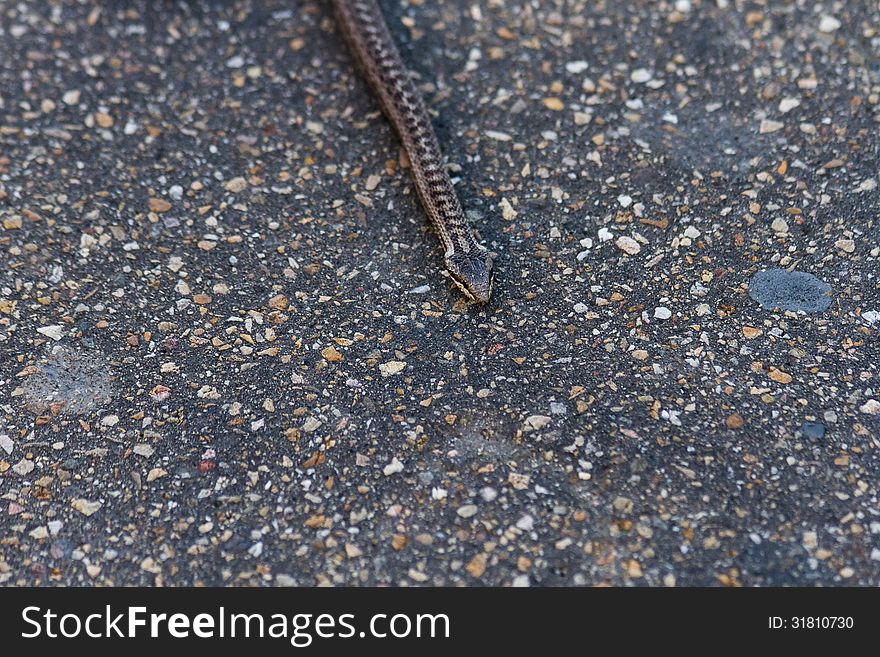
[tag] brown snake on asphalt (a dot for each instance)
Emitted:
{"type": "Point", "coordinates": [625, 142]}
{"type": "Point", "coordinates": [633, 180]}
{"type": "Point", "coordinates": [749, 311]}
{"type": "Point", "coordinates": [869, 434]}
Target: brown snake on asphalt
{"type": "Point", "coordinates": [468, 263]}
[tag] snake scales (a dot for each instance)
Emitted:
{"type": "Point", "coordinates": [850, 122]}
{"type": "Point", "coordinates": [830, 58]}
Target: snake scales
{"type": "Point", "coordinates": [468, 263]}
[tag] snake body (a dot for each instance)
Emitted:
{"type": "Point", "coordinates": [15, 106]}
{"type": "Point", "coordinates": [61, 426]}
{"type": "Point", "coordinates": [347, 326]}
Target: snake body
{"type": "Point", "coordinates": [468, 263]}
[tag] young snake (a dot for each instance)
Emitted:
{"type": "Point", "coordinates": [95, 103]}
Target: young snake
{"type": "Point", "coordinates": [468, 263]}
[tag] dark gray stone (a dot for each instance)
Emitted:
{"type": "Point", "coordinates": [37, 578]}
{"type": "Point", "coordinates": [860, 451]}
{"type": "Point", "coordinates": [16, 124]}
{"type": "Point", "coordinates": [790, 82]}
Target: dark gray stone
{"type": "Point", "coordinates": [813, 430]}
{"type": "Point", "coordinates": [790, 290]}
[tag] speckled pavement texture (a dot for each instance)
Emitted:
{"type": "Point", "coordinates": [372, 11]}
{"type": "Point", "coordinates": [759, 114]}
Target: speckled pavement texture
{"type": "Point", "coordinates": [229, 356]}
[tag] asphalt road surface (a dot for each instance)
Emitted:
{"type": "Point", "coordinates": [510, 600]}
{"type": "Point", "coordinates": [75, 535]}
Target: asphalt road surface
{"type": "Point", "coordinates": [230, 357]}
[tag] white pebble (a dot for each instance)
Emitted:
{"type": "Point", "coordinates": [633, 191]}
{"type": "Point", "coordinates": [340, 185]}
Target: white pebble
{"type": "Point", "coordinates": [628, 245]}
{"type": "Point", "coordinates": [768, 126]}
{"type": "Point", "coordinates": [522, 581]}
{"type": "Point", "coordinates": [55, 331]}
{"type": "Point", "coordinates": [558, 408]}
{"type": "Point", "coordinates": [110, 420]}
{"type": "Point", "coordinates": [498, 136]}
{"type": "Point", "coordinates": [488, 493]}
{"type": "Point", "coordinates": [507, 211]}
{"type": "Point", "coordinates": [828, 24]}
{"type": "Point", "coordinates": [788, 104]}
{"type": "Point", "coordinates": [392, 468]}
{"type": "Point", "coordinates": [641, 75]}
{"type": "Point", "coordinates": [525, 523]}
{"type": "Point", "coordinates": [779, 225]}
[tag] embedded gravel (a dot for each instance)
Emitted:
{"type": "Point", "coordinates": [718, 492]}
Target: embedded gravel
{"type": "Point", "coordinates": [228, 355]}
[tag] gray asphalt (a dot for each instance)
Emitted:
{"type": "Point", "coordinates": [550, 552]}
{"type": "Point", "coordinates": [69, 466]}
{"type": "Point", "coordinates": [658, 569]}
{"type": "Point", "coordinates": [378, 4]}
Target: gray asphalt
{"type": "Point", "coordinates": [229, 356]}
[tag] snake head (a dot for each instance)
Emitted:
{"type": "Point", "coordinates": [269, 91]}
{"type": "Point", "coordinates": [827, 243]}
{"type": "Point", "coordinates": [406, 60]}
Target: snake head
{"type": "Point", "coordinates": [472, 273]}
